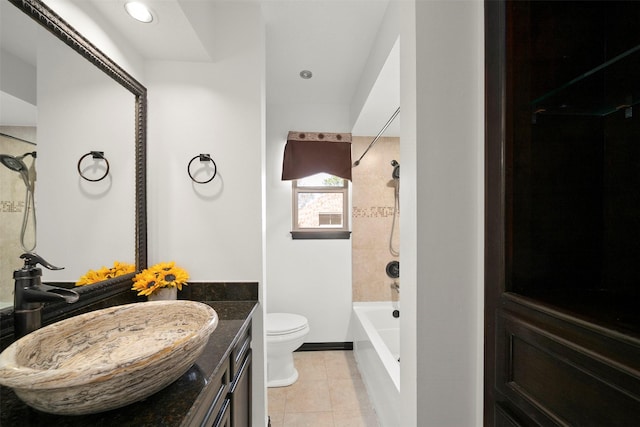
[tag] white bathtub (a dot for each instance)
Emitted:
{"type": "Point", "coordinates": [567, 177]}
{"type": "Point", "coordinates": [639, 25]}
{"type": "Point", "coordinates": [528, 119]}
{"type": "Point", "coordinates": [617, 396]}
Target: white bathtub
{"type": "Point", "coordinates": [376, 345]}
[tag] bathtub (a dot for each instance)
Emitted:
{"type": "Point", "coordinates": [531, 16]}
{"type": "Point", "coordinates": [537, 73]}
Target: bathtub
{"type": "Point", "coordinates": [376, 346]}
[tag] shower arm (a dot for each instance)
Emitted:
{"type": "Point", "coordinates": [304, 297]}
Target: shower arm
{"type": "Point", "coordinates": [393, 116]}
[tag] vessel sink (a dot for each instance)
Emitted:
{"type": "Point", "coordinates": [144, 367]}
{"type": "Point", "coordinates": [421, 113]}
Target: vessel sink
{"type": "Point", "coordinates": [107, 358]}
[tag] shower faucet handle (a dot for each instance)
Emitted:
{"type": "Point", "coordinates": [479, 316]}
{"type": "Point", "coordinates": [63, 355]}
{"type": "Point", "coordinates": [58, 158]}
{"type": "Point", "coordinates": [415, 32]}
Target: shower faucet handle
{"type": "Point", "coordinates": [32, 259]}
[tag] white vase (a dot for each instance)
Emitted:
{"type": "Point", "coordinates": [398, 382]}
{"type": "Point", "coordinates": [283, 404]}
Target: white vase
{"type": "Point", "coordinates": [164, 294]}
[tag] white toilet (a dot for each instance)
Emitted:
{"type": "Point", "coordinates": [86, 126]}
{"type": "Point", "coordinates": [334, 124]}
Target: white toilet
{"type": "Point", "coordinates": [285, 333]}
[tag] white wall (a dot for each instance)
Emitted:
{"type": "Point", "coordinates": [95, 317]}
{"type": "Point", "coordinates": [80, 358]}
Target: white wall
{"type": "Point", "coordinates": [72, 212]}
{"type": "Point", "coordinates": [81, 224]}
{"type": "Point", "coordinates": [18, 78]}
{"type": "Point", "coordinates": [441, 198]}
{"type": "Point", "coordinates": [214, 230]}
{"type": "Point", "coordinates": [308, 277]}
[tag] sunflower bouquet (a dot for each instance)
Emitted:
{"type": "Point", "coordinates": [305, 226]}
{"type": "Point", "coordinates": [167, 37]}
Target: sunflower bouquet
{"type": "Point", "coordinates": [104, 273]}
{"type": "Point", "coordinates": [162, 275]}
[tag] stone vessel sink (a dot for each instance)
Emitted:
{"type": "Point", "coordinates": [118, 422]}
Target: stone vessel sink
{"type": "Point", "coordinates": [107, 358]}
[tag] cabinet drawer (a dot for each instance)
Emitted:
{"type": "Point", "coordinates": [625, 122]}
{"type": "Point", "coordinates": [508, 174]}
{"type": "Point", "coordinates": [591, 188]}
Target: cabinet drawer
{"type": "Point", "coordinates": [240, 350]}
{"type": "Point", "coordinates": [240, 394]}
{"type": "Point", "coordinates": [224, 417]}
{"type": "Point", "coordinates": [214, 397]}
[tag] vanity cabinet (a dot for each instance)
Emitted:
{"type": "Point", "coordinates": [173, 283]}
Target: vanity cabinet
{"type": "Point", "coordinates": [240, 390]}
{"type": "Point", "coordinates": [224, 416]}
{"type": "Point", "coordinates": [227, 402]}
{"type": "Point", "coordinates": [215, 391]}
{"type": "Point", "coordinates": [562, 296]}
{"type": "Point", "coordinates": [215, 404]}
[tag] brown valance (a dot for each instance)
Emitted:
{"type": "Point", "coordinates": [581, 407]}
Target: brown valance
{"type": "Point", "coordinates": [309, 153]}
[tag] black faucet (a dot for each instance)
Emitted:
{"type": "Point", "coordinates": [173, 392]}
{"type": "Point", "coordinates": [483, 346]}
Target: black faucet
{"type": "Point", "coordinates": [30, 294]}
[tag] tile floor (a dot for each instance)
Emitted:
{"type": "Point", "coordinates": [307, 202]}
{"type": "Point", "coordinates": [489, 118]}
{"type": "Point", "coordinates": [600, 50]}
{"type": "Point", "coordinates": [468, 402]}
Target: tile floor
{"type": "Point", "coordinates": [329, 393]}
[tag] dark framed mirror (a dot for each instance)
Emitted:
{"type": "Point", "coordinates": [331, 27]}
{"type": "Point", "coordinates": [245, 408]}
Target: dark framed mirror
{"type": "Point", "coordinates": [46, 18]}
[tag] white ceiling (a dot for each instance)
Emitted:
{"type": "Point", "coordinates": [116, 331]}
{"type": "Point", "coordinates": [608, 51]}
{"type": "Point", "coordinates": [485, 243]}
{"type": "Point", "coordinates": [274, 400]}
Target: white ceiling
{"type": "Point", "coordinates": [17, 38]}
{"type": "Point", "coordinates": [332, 38]}
{"type": "Point", "coordinates": [171, 36]}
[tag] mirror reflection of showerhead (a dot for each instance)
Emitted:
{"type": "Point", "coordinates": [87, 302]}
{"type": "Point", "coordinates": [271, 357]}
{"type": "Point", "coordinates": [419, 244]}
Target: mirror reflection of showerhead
{"type": "Point", "coordinates": [396, 169]}
{"type": "Point", "coordinates": [13, 163]}
{"type": "Point", "coordinates": [16, 164]}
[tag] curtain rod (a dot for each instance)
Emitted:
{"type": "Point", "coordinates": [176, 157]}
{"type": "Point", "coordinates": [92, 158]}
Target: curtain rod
{"type": "Point", "coordinates": [17, 139]}
{"type": "Point", "coordinates": [393, 116]}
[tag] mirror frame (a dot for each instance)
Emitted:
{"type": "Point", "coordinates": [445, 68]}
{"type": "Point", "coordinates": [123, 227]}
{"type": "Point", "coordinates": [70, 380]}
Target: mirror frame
{"type": "Point", "coordinates": [51, 21]}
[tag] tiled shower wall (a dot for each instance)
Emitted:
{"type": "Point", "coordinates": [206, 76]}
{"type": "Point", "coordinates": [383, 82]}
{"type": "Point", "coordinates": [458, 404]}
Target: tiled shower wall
{"type": "Point", "coordinates": [372, 216]}
{"type": "Point", "coordinates": [12, 193]}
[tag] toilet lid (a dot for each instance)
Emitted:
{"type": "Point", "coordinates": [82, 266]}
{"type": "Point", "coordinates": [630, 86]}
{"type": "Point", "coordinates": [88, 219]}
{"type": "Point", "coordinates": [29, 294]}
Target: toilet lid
{"type": "Point", "coordinates": [284, 323]}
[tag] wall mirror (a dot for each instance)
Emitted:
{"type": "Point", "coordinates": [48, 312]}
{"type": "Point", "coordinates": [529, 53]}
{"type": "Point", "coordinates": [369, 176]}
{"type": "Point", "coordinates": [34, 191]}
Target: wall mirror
{"type": "Point", "coordinates": [85, 102]}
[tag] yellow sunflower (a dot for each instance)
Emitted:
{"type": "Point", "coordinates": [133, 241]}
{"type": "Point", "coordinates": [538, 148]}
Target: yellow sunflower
{"type": "Point", "coordinates": [104, 273]}
{"type": "Point", "coordinates": [162, 275]}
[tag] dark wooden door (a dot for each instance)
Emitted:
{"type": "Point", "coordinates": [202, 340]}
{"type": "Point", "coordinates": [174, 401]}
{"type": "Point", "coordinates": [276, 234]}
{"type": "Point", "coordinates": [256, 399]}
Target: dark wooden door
{"type": "Point", "coordinates": [562, 252]}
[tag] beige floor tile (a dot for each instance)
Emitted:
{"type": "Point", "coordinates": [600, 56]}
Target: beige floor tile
{"type": "Point", "coordinates": [355, 419]}
{"type": "Point", "coordinates": [310, 365]}
{"type": "Point", "coordinates": [308, 419]}
{"type": "Point", "coordinates": [329, 392]}
{"type": "Point", "coordinates": [277, 419]}
{"type": "Point", "coordinates": [348, 395]}
{"type": "Point", "coordinates": [308, 396]}
{"type": "Point", "coordinates": [309, 355]}
{"type": "Point", "coordinates": [341, 364]}
{"type": "Point", "coordinates": [276, 397]}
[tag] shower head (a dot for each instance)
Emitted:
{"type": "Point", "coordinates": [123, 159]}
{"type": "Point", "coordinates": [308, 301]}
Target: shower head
{"type": "Point", "coordinates": [17, 164]}
{"type": "Point", "coordinates": [14, 163]}
{"type": "Point", "coordinates": [396, 169]}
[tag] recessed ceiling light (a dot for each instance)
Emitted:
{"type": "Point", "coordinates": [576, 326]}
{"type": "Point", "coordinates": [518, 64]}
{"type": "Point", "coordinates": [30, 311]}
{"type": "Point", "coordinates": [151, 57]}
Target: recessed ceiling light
{"type": "Point", "coordinates": [306, 74]}
{"type": "Point", "coordinates": [139, 11]}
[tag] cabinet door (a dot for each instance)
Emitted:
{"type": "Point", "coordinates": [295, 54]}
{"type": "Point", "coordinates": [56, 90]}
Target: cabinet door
{"type": "Point", "coordinates": [224, 417]}
{"type": "Point", "coordinates": [562, 330]}
{"type": "Point", "coordinates": [241, 395]}
{"type": "Point", "coordinates": [212, 400]}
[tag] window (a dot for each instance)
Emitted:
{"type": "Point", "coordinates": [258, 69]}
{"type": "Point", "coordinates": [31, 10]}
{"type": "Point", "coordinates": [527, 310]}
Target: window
{"type": "Point", "coordinates": [320, 207]}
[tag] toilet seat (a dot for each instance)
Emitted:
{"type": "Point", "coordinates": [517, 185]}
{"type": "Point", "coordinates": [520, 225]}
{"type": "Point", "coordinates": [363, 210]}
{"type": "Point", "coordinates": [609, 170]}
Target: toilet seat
{"type": "Point", "coordinates": [284, 323]}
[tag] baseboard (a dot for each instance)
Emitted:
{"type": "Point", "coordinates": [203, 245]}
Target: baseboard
{"type": "Point", "coordinates": [326, 346]}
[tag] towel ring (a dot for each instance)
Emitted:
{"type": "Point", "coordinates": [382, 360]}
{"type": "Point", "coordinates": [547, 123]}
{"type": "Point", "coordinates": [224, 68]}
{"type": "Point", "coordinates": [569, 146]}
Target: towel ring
{"type": "Point", "coordinates": [95, 155]}
{"type": "Point", "coordinates": [203, 158]}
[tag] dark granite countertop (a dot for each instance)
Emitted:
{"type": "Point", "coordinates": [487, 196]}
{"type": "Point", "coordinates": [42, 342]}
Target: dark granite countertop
{"type": "Point", "coordinates": [171, 406]}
